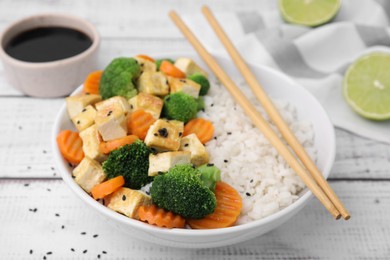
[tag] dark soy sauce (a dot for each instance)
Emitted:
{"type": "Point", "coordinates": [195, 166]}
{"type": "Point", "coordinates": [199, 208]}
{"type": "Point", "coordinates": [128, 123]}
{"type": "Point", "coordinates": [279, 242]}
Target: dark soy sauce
{"type": "Point", "coordinates": [47, 44]}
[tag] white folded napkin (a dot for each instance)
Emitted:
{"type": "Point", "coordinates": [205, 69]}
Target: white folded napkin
{"type": "Point", "coordinates": [315, 57]}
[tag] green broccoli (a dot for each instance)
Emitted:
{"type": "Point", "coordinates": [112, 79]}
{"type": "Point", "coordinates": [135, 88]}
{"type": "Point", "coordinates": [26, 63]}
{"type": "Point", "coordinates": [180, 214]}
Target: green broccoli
{"type": "Point", "coordinates": [202, 81]}
{"type": "Point", "coordinates": [210, 175]}
{"type": "Point", "coordinates": [182, 192]}
{"type": "Point", "coordinates": [158, 62]}
{"type": "Point", "coordinates": [118, 78]}
{"type": "Point", "coordinates": [201, 104]}
{"type": "Point", "coordinates": [180, 106]}
{"type": "Point", "coordinates": [132, 162]}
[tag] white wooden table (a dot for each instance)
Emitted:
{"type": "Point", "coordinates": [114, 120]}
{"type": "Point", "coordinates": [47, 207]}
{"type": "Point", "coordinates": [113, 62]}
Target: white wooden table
{"type": "Point", "coordinates": [41, 218]}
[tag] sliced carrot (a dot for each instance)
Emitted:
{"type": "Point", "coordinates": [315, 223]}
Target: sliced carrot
{"type": "Point", "coordinates": [106, 188]}
{"type": "Point", "coordinates": [107, 147]}
{"type": "Point", "coordinates": [203, 129]}
{"type": "Point", "coordinates": [92, 82]}
{"type": "Point", "coordinates": [146, 57]}
{"type": "Point", "coordinates": [71, 146]}
{"type": "Point", "coordinates": [171, 70]}
{"type": "Point", "coordinates": [229, 204]}
{"type": "Point", "coordinates": [160, 217]}
{"type": "Point", "coordinates": [138, 123]}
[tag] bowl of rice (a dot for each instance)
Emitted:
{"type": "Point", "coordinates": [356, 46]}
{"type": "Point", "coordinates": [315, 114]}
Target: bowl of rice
{"type": "Point", "coordinates": [270, 190]}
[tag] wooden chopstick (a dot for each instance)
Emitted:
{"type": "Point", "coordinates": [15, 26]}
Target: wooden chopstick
{"type": "Point", "coordinates": [255, 116]}
{"type": "Point", "coordinates": [273, 112]}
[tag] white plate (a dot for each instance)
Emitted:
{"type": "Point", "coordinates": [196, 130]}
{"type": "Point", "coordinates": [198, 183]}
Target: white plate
{"type": "Point", "coordinates": [278, 86]}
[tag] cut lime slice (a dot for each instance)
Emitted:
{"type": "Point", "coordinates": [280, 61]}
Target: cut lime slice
{"type": "Point", "coordinates": [367, 86]}
{"type": "Point", "coordinates": [309, 12]}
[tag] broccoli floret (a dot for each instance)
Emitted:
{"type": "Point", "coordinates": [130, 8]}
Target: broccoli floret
{"type": "Point", "coordinates": [132, 162]}
{"type": "Point", "coordinates": [118, 78]}
{"type": "Point", "coordinates": [180, 106]}
{"type": "Point", "coordinates": [210, 175]}
{"type": "Point", "coordinates": [202, 81]}
{"type": "Point", "coordinates": [158, 62]}
{"type": "Point", "coordinates": [182, 192]}
{"type": "Point", "coordinates": [201, 104]}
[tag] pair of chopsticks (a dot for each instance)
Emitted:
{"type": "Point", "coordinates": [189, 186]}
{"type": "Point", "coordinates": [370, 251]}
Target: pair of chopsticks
{"type": "Point", "coordinates": [314, 181]}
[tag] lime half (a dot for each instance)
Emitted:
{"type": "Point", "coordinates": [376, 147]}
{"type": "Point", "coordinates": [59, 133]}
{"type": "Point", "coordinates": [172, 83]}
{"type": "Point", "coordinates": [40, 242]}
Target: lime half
{"type": "Point", "coordinates": [367, 86]}
{"type": "Point", "coordinates": [309, 12]}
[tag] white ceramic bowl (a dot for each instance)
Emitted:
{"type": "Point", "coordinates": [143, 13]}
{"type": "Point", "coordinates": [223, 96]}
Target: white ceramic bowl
{"type": "Point", "coordinates": [277, 86]}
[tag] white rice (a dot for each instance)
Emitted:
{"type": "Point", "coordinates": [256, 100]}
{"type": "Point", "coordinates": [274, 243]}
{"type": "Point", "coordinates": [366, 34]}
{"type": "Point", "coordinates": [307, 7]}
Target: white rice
{"type": "Point", "coordinates": [246, 159]}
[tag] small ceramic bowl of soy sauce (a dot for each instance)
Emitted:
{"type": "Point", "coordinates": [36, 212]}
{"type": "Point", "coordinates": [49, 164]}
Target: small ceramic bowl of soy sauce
{"type": "Point", "coordinates": [49, 55]}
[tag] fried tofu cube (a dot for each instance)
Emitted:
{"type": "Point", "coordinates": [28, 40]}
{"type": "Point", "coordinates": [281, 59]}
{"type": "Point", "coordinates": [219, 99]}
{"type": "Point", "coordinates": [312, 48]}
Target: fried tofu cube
{"type": "Point", "coordinates": [88, 174]}
{"type": "Point", "coordinates": [91, 141]}
{"type": "Point", "coordinates": [113, 102]}
{"type": "Point", "coordinates": [184, 85]}
{"type": "Point", "coordinates": [85, 118]}
{"type": "Point", "coordinates": [162, 162]}
{"type": "Point", "coordinates": [127, 201]}
{"type": "Point", "coordinates": [189, 67]}
{"type": "Point", "coordinates": [148, 103]}
{"type": "Point", "coordinates": [111, 122]}
{"type": "Point", "coordinates": [198, 151]}
{"type": "Point", "coordinates": [154, 83]}
{"type": "Point", "coordinates": [165, 135]}
{"type": "Point", "coordinates": [76, 104]}
{"type": "Point", "coordinates": [146, 65]}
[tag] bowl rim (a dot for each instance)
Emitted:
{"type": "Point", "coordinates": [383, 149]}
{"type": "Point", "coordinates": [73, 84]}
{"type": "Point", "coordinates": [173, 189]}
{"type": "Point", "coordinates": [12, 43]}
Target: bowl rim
{"type": "Point", "coordinates": [60, 163]}
{"type": "Point", "coordinates": [91, 31]}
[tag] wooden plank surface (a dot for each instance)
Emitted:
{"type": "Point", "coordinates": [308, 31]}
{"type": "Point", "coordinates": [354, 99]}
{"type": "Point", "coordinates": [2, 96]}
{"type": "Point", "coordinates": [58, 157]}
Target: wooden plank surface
{"type": "Point", "coordinates": [60, 218]}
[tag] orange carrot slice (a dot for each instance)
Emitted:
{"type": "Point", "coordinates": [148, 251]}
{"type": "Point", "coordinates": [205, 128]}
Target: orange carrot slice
{"type": "Point", "coordinates": [203, 129]}
{"type": "Point", "coordinates": [92, 82]}
{"type": "Point", "coordinates": [138, 123]}
{"type": "Point", "coordinates": [145, 57]}
{"type": "Point", "coordinates": [160, 217]}
{"type": "Point", "coordinates": [106, 188]}
{"type": "Point", "coordinates": [71, 146]}
{"type": "Point", "coordinates": [229, 204]}
{"type": "Point", "coordinates": [107, 147]}
{"type": "Point", "coordinates": [171, 70]}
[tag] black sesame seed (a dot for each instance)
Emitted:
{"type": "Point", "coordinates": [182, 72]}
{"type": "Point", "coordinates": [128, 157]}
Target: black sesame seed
{"type": "Point", "coordinates": [83, 233]}
{"type": "Point", "coordinates": [44, 257]}
{"type": "Point", "coordinates": [155, 134]}
{"type": "Point", "coordinates": [84, 110]}
{"type": "Point", "coordinates": [251, 181]}
{"type": "Point", "coordinates": [28, 167]}
{"type": "Point", "coordinates": [48, 190]}
{"type": "Point", "coordinates": [49, 253]}
{"type": "Point", "coordinates": [210, 164]}
{"type": "Point", "coordinates": [52, 168]}
{"type": "Point", "coordinates": [131, 106]}
{"type": "Point", "coordinates": [96, 235]}
{"type": "Point", "coordinates": [104, 252]}
{"type": "Point", "coordinates": [215, 138]}
{"type": "Point", "coordinates": [109, 113]}
{"type": "Point", "coordinates": [44, 151]}
{"type": "Point", "coordinates": [26, 184]}
{"type": "Point", "coordinates": [180, 133]}
{"type": "Point", "coordinates": [229, 133]}
{"type": "Point", "coordinates": [35, 210]}
{"type": "Point", "coordinates": [72, 249]}
{"type": "Point", "coordinates": [225, 161]}
{"type": "Point", "coordinates": [85, 251]}
{"type": "Point", "coordinates": [31, 251]}
{"type": "Point", "coordinates": [78, 122]}
{"type": "Point", "coordinates": [248, 194]}
{"type": "Point", "coordinates": [147, 192]}
{"type": "Point", "coordinates": [20, 128]}
{"type": "Point", "coordinates": [185, 145]}
{"type": "Point", "coordinates": [57, 215]}
{"type": "Point", "coordinates": [98, 256]}
{"type": "Point", "coordinates": [211, 105]}
{"type": "Point", "coordinates": [163, 132]}
{"type": "Point", "coordinates": [62, 227]}
{"type": "Point", "coordinates": [124, 197]}
{"type": "Point", "coordinates": [141, 64]}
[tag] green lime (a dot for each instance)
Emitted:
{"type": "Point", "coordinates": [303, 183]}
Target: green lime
{"type": "Point", "coordinates": [309, 12]}
{"type": "Point", "coordinates": [367, 86]}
